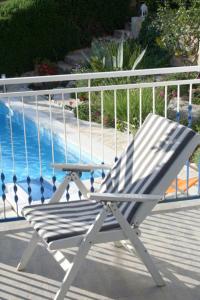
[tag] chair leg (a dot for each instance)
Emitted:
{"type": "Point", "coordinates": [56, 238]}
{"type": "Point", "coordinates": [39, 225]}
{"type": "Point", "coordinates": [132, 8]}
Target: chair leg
{"type": "Point", "coordinates": [72, 272]}
{"type": "Point", "coordinates": [81, 254]}
{"type": "Point", "coordinates": [28, 252]}
{"type": "Point", "coordinates": [147, 260]}
{"type": "Point", "coordinates": [138, 245]}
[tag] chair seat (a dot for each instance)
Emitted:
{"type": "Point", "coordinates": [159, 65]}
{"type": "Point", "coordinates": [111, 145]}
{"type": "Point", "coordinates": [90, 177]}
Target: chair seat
{"type": "Point", "coordinates": [66, 219]}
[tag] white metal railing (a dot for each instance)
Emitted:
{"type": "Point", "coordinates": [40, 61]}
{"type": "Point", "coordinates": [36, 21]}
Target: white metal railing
{"type": "Point", "coordinates": [56, 133]}
{"type": "Point", "coordinates": [100, 75]}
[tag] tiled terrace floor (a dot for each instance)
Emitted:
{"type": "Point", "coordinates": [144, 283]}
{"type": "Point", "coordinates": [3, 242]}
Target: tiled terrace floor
{"type": "Point", "coordinates": [171, 233]}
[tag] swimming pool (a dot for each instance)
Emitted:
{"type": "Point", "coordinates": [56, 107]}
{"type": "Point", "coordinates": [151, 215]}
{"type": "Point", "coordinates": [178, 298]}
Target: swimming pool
{"type": "Point", "coordinates": [31, 167]}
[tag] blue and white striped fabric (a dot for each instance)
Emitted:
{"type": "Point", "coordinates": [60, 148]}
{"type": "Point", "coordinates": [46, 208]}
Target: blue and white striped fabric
{"type": "Point", "coordinates": [140, 169]}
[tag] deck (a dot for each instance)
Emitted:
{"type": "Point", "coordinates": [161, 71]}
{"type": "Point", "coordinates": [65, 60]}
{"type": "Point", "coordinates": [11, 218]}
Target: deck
{"type": "Point", "coordinates": [171, 234]}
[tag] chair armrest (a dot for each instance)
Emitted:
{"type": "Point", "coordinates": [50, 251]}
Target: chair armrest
{"type": "Point", "coordinates": [80, 167]}
{"type": "Point", "coordinates": [109, 197]}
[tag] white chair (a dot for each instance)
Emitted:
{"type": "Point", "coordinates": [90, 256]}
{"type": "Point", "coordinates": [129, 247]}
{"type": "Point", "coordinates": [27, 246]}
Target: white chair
{"type": "Point", "coordinates": [129, 192]}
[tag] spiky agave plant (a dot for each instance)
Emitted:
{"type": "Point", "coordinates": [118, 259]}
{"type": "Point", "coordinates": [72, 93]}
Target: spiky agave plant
{"type": "Point", "coordinates": [114, 55]}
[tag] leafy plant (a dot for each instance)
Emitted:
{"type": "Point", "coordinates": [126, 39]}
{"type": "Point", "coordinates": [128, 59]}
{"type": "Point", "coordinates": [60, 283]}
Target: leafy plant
{"type": "Point", "coordinates": [184, 89]}
{"type": "Point", "coordinates": [121, 107]}
{"type": "Point", "coordinates": [179, 29]}
{"type": "Point", "coordinates": [196, 98]}
{"type": "Point", "coordinates": [114, 56]}
{"type": "Point", "coordinates": [196, 156]}
{"type": "Point", "coordinates": [156, 56]}
{"type": "Point", "coordinates": [174, 4]}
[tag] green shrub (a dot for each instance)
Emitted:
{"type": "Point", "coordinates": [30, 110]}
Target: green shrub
{"type": "Point", "coordinates": [196, 155]}
{"type": "Point", "coordinates": [112, 56]}
{"type": "Point", "coordinates": [40, 29]}
{"type": "Point", "coordinates": [174, 4]}
{"type": "Point", "coordinates": [147, 105]}
{"type": "Point", "coordinates": [121, 107]}
{"type": "Point", "coordinates": [172, 28]}
{"type": "Point", "coordinates": [179, 29]}
{"type": "Point", "coordinates": [108, 55]}
{"type": "Point", "coordinates": [184, 89]}
{"type": "Point", "coordinates": [156, 56]}
{"type": "Point", "coordinates": [196, 97]}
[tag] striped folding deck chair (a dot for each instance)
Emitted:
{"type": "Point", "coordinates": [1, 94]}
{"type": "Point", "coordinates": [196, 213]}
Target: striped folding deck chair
{"type": "Point", "coordinates": [137, 181]}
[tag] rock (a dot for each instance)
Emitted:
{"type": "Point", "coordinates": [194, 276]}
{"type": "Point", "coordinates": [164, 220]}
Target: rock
{"type": "Point", "coordinates": [136, 25]}
{"type": "Point", "coordinates": [71, 84]}
{"type": "Point", "coordinates": [172, 109]}
{"type": "Point", "coordinates": [123, 34]}
{"type": "Point", "coordinates": [127, 26]}
{"type": "Point", "coordinates": [60, 97]}
{"type": "Point", "coordinates": [63, 68]}
{"type": "Point", "coordinates": [179, 61]}
{"type": "Point", "coordinates": [29, 74]}
{"type": "Point", "coordinates": [77, 57]}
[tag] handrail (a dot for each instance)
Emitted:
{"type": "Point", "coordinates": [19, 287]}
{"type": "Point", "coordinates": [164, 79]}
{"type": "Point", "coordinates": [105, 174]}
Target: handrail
{"type": "Point", "coordinates": [100, 88]}
{"type": "Point", "coordinates": [99, 75]}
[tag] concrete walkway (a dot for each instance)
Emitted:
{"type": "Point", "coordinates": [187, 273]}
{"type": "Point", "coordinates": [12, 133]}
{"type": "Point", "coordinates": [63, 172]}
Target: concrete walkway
{"type": "Point", "coordinates": [171, 234]}
{"type": "Point", "coordinates": [87, 133]}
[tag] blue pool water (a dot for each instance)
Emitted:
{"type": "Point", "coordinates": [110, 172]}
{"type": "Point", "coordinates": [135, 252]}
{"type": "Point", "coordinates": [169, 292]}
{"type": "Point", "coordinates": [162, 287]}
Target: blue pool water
{"type": "Point", "coordinates": [20, 169]}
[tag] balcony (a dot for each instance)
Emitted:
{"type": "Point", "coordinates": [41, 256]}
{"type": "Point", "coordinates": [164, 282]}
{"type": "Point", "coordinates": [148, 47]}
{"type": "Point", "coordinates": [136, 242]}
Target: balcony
{"type": "Point", "coordinates": [40, 128]}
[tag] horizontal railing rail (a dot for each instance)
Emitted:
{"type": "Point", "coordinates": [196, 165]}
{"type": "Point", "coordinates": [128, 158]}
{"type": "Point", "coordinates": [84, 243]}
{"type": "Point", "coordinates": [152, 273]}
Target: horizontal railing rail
{"type": "Point", "coordinates": [54, 124]}
{"type": "Point", "coordinates": [100, 75]}
{"type": "Point", "coordinates": [100, 88]}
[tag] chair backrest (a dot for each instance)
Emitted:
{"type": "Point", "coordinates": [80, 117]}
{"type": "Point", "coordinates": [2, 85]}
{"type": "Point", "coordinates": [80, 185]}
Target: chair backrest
{"type": "Point", "coordinates": [150, 163]}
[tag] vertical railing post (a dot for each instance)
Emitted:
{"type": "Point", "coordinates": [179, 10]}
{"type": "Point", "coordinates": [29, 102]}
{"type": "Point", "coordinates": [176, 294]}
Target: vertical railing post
{"type": "Point", "coordinates": [189, 125]}
{"type": "Point", "coordinates": [115, 121]}
{"type": "Point", "coordinates": [154, 99]}
{"type": "Point", "coordinates": [178, 120]}
{"type": "Point", "coordinates": [39, 151]}
{"type": "Point", "coordinates": [128, 116]}
{"type": "Point", "coordinates": [65, 129]}
{"type": "Point", "coordinates": [3, 186]}
{"type": "Point", "coordinates": [52, 143]}
{"type": "Point", "coordinates": [90, 118]}
{"type": "Point", "coordinates": [102, 131]}
{"type": "Point", "coordinates": [140, 107]}
{"type": "Point", "coordinates": [198, 60]}
{"type": "Point", "coordinates": [166, 101]}
{"type": "Point", "coordinates": [28, 179]}
{"type": "Point", "coordinates": [78, 127]}
{"type": "Point", "coordinates": [79, 137]}
{"type": "Point", "coordinates": [3, 76]}
{"type": "Point", "coordinates": [90, 125]}
{"type": "Point", "coordinates": [13, 157]}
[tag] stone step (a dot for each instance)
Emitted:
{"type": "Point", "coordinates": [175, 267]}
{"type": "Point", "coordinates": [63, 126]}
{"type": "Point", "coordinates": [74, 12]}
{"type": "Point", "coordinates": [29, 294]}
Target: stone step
{"type": "Point", "coordinates": [122, 33]}
{"type": "Point", "coordinates": [109, 38]}
{"type": "Point", "coordinates": [77, 57]}
{"type": "Point", "coordinates": [127, 26]}
{"type": "Point", "coordinates": [64, 68]}
{"type": "Point", "coordinates": [136, 25]}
